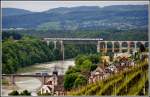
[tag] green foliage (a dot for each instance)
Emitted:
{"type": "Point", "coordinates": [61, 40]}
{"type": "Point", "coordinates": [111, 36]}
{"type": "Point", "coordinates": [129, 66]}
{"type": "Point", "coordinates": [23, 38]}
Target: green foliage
{"type": "Point", "coordinates": [14, 93]}
{"type": "Point", "coordinates": [5, 82]}
{"type": "Point", "coordinates": [79, 59]}
{"type": "Point", "coordinates": [94, 58]}
{"type": "Point", "coordinates": [93, 67]}
{"type": "Point", "coordinates": [106, 34]}
{"type": "Point", "coordinates": [72, 70]}
{"type": "Point", "coordinates": [142, 48]}
{"type": "Point", "coordinates": [80, 81]}
{"type": "Point", "coordinates": [80, 72]}
{"type": "Point", "coordinates": [130, 82]}
{"type": "Point", "coordinates": [89, 18]}
{"type": "Point", "coordinates": [25, 92]}
{"type": "Point", "coordinates": [29, 50]}
{"type": "Point", "coordinates": [86, 65]}
{"type": "Point", "coordinates": [24, 52]}
{"type": "Point", "coordinates": [69, 80]}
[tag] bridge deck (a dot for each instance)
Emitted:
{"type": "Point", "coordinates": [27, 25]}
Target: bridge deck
{"type": "Point", "coordinates": [95, 39]}
{"type": "Point", "coordinates": [26, 75]}
{"type": "Point", "coordinates": [87, 39]}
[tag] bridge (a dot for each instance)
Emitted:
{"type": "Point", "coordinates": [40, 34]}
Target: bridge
{"type": "Point", "coordinates": [12, 77]}
{"type": "Point", "coordinates": [100, 43]}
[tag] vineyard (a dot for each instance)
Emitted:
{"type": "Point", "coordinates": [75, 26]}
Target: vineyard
{"type": "Point", "coordinates": [132, 82]}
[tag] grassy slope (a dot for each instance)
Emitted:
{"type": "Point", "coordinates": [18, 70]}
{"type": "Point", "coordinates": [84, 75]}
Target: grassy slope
{"type": "Point", "coordinates": [130, 82]}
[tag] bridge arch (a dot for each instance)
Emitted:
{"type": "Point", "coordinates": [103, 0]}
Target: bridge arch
{"type": "Point", "coordinates": [103, 45]}
{"type": "Point", "coordinates": [117, 47]}
{"type": "Point", "coordinates": [138, 43]}
{"type": "Point", "coordinates": [146, 44]}
{"type": "Point", "coordinates": [110, 46]}
{"type": "Point", "coordinates": [124, 46]}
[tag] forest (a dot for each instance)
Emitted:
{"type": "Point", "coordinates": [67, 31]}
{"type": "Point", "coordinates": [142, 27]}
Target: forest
{"type": "Point", "coordinates": [107, 34]}
{"type": "Point", "coordinates": [78, 75]}
{"type": "Point", "coordinates": [19, 51]}
{"type": "Point", "coordinates": [22, 48]}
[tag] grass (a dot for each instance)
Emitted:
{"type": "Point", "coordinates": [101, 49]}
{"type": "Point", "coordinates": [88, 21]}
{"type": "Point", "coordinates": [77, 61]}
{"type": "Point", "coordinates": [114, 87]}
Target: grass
{"type": "Point", "coordinates": [105, 87]}
{"type": "Point", "coordinates": [29, 69]}
{"type": "Point", "coordinates": [132, 80]}
{"type": "Point", "coordinates": [134, 90]}
{"type": "Point", "coordinates": [5, 82]}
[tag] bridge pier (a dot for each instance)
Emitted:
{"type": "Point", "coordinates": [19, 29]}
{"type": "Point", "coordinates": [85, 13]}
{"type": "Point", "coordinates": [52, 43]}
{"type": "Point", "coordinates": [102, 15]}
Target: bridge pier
{"type": "Point", "coordinates": [120, 46]}
{"type": "Point", "coordinates": [113, 50]}
{"type": "Point", "coordinates": [128, 46]}
{"type": "Point", "coordinates": [105, 46]}
{"type": "Point", "coordinates": [63, 53]}
{"type": "Point", "coordinates": [12, 80]}
{"type": "Point", "coordinates": [98, 46]}
{"type": "Point", "coordinates": [98, 40]}
{"type": "Point", "coordinates": [55, 44]}
{"type": "Point", "coordinates": [135, 46]}
{"type": "Point", "coordinates": [43, 80]}
{"type": "Point", "coordinates": [62, 49]}
{"type": "Point", "coordinates": [47, 43]}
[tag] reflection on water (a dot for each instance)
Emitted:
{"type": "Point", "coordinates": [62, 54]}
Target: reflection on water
{"type": "Point", "coordinates": [30, 84]}
{"type": "Point", "coordinates": [33, 84]}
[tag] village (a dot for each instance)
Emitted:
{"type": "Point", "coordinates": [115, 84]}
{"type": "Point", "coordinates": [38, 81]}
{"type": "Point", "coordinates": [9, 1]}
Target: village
{"type": "Point", "coordinates": [120, 63]}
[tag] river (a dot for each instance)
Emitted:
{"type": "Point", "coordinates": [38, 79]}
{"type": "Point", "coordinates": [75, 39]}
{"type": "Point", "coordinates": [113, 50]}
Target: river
{"type": "Point", "coordinates": [33, 84]}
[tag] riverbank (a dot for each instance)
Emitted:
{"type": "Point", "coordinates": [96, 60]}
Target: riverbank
{"type": "Point", "coordinates": [47, 67]}
{"type": "Point", "coordinates": [33, 84]}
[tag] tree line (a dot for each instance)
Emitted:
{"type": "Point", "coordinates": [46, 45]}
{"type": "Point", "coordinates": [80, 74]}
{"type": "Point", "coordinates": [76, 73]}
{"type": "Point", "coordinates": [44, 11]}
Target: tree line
{"type": "Point", "coordinates": [30, 50]}
{"type": "Point", "coordinates": [77, 75]}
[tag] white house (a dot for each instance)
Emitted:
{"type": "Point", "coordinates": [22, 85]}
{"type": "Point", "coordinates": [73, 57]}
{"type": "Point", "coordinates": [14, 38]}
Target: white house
{"type": "Point", "coordinates": [50, 85]}
{"type": "Point", "coordinates": [47, 89]}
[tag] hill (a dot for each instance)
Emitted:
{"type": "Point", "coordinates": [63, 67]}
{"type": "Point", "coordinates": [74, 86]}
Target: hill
{"type": "Point", "coordinates": [132, 82]}
{"type": "Point", "coordinates": [83, 17]}
{"type": "Point", "coordinates": [14, 11]}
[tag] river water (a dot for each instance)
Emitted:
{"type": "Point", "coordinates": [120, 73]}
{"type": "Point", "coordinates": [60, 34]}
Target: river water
{"type": "Point", "coordinates": [33, 84]}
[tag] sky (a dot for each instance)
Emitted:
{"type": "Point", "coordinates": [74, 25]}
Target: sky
{"type": "Point", "coordinates": [38, 6]}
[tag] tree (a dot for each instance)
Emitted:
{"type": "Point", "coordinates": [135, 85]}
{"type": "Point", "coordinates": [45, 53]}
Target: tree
{"type": "Point", "coordinates": [72, 70]}
{"type": "Point", "coordinates": [14, 93]}
{"type": "Point", "coordinates": [25, 92]}
{"type": "Point", "coordinates": [79, 59]}
{"type": "Point", "coordinates": [142, 48]}
{"type": "Point", "coordinates": [93, 67]}
{"type": "Point", "coordinates": [86, 65]}
{"type": "Point", "coordinates": [94, 58]}
{"type": "Point", "coordinates": [80, 81]}
{"type": "Point", "coordinates": [69, 80]}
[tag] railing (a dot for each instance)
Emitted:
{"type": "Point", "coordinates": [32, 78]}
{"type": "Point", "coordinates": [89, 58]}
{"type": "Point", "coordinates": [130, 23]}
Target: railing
{"type": "Point", "coordinates": [73, 39]}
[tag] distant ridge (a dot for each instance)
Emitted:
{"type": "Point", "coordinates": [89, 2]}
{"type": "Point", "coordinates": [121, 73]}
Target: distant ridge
{"type": "Point", "coordinates": [82, 17]}
{"type": "Point", "coordinates": [14, 11]}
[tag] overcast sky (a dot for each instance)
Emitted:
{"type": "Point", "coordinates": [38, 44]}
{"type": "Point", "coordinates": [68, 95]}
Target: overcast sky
{"type": "Point", "coordinates": [38, 6]}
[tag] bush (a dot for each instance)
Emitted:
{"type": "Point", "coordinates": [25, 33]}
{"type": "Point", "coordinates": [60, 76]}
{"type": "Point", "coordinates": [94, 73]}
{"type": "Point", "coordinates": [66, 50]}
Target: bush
{"type": "Point", "coordinates": [25, 92]}
{"type": "Point", "coordinates": [72, 70]}
{"type": "Point", "coordinates": [14, 93]}
{"type": "Point", "coordinates": [80, 81]}
{"type": "Point", "coordinates": [69, 80]}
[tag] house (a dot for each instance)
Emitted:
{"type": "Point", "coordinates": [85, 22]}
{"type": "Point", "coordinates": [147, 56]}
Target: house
{"type": "Point", "coordinates": [118, 56]}
{"type": "Point", "coordinates": [105, 59]}
{"type": "Point", "coordinates": [47, 89]}
{"type": "Point", "coordinates": [96, 75]}
{"type": "Point", "coordinates": [54, 85]}
{"type": "Point", "coordinates": [49, 86]}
